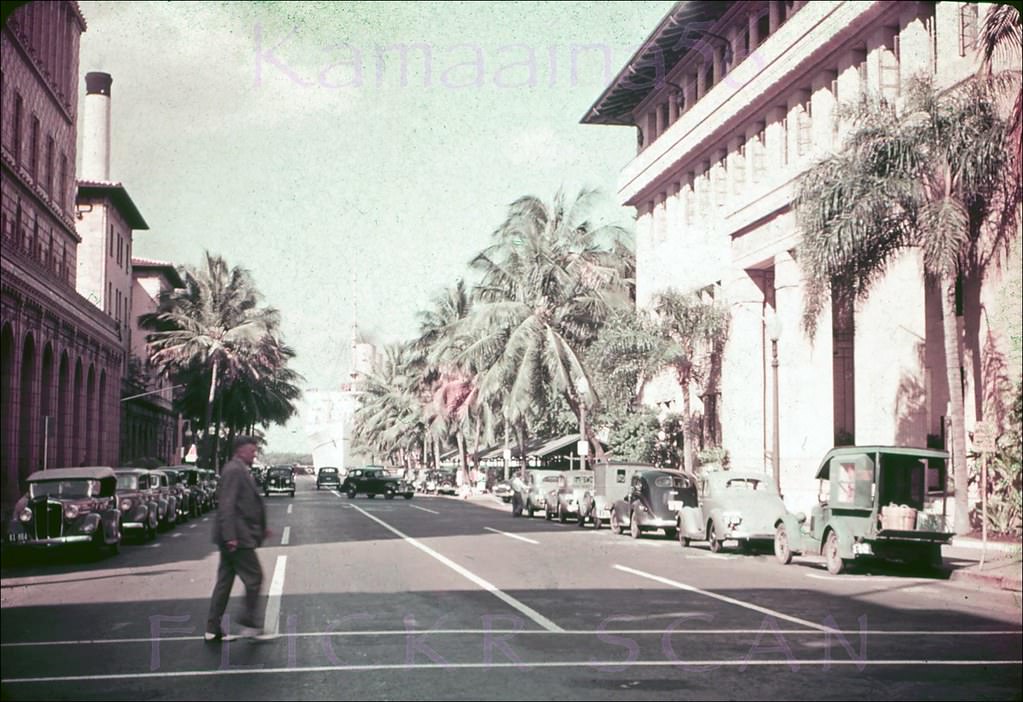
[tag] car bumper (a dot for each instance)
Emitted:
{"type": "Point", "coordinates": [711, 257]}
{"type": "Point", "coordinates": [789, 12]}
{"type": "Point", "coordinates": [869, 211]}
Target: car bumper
{"type": "Point", "coordinates": [49, 543]}
{"type": "Point", "coordinates": [279, 489]}
{"type": "Point", "coordinates": [132, 525]}
{"type": "Point", "coordinates": [658, 522]}
{"type": "Point", "coordinates": [746, 535]}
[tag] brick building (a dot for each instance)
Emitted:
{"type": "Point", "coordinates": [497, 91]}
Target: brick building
{"type": "Point", "coordinates": [62, 357]}
{"type": "Point", "coordinates": [732, 102]}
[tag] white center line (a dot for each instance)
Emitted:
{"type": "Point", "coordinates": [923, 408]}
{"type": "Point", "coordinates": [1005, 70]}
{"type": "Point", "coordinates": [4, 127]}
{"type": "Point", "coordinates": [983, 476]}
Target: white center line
{"type": "Point", "coordinates": [176, 536]}
{"type": "Point", "coordinates": [508, 599]}
{"type": "Point", "coordinates": [286, 536]}
{"type": "Point", "coordinates": [424, 509]}
{"type": "Point", "coordinates": [289, 508]}
{"type": "Point", "coordinates": [192, 526]}
{"type": "Point", "coordinates": [514, 536]}
{"type": "Point", "coordinates": [272, 619]}
{"type": "Point", "coordinates": [723, 598]}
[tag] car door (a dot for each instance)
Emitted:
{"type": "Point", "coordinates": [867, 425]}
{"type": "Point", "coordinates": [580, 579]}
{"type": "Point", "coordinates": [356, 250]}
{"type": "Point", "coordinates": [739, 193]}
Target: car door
{"type": "Point", "coordinates": [693, 522]}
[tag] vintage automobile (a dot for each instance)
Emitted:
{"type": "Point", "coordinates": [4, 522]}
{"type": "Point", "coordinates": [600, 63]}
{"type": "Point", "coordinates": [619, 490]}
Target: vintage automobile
{"type": "Point", "coordinates": [179, 487]}
{"type": "Point", "coordinates": [198, 492]}
{"type": "Point", "coordinates": [539, 482]}
{"type": "Point", "coordinates": [654, 498]}
{"type": "Point", "coordinates": [739, 505]}
{"type": "Point", "coordinates": [372, 481]}
{"type": "Point", "coordinates": [873, 501]}
{"type": "Point", "coordinates": [211, 480]}
{"type": "Point", "coordinates": [68, 506]}
{"type": "Point", "coordinates": [328, 477]}
{"type": "Point", "coordinates": [445, 483]}
{"type": "Point", "coordinates": [138, 502]}
{"type": "Point", "coordinates": [279, 479]}
{"type": "Point", "coordinates": [611, 482]}
{"type": "Point", "coordinates": [565, 500]}
{"type": "Point", "coordinates": [503, 490]}
{"type": "Point", "coordinates": [167, 498]}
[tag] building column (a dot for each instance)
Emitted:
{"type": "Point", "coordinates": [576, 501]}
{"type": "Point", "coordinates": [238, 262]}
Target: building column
{"type": "Point", "coordinates": [644, 251]}
{"type": "Point", "coordinates": [742, 372]}
{"type": "Point", "coordinates": [774, 15]}
{"type": "Point", "coordinates": [753, 19]}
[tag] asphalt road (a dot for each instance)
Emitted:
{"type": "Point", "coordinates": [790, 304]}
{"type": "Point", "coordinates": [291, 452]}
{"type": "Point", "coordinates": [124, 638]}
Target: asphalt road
{"type": "Point", "coordinates": [437, 598]}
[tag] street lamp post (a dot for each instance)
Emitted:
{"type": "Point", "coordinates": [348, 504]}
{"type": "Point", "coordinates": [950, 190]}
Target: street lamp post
{"type": "Point", "coordinates": [582, 387]}
{"type": "Point", "coordinates": [774, 330]}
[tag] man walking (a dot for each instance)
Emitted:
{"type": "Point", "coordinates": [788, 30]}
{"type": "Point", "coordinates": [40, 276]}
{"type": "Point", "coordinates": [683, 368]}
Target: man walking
{"type": "Point", "coordinates": [238, 529]}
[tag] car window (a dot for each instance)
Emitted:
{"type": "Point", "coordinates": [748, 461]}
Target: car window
{"type": "Point", "coordinates": [620, 476]}
{"type": "Point", "coordinates": [128, 482]}
{"type": "Point", "coordinates": [64, 488]}
{"type": "Point", "coordinates": [663, 481]}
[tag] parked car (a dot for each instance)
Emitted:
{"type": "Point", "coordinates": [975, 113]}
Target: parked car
{"type": "Point", "coordinates": [740, 505]}
{"type": "Point", "coordinates": [211, 480]}
{"type": "Point", "coordinates": [167, 498]}
{"type": "Point", "coordinates": [328, 477]}
{"type": "Point", "coordinates": [180, 488]}
{"type": "Point", "coordinates": [376, 481]}
{"type": "Point", "coordinates": [138, 502]}
{"type": "Point", "coordinates": [611, 482]}
{"type": "Point", "coordinates": [199, 495]}
{"type": "Point", "coordinates": [504, 490]}
{"type": "Point", "coordinates": [653, 502]}
{"type": "Point", "coordinates": [858, 488]}
{"type": "Point", "coordinates": [279, 479]}
{"type": "Point", "coordinates": [538, 484]}
{"type": "Point", "coordinates": [68, 506]}
{"type": "Point", "coordinates": [445, 483]}
{"type": "Point", "coordinates": [565, 500]}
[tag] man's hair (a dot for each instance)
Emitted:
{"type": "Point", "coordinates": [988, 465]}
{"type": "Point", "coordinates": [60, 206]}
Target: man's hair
{"type": "Point", "coordinates": [243, 440]}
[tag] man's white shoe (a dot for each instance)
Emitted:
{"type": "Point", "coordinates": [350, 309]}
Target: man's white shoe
{"type": "Point", "coordinates": [254, 634]}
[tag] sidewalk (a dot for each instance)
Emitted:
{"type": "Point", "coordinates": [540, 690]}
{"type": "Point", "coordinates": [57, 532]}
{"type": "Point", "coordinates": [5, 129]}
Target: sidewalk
{"type": "Point", "coordinates": [1002, 569]}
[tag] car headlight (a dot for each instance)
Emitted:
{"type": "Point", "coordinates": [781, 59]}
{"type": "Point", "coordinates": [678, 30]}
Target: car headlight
{"type": "Point", "coordinates": [126, 504]}
{"type": "Point", "coordinates": [25, 516]}
{"type": "Point", "coordinates": [89, 526]}
{"type": "Point", "coordinates": [71, 511]}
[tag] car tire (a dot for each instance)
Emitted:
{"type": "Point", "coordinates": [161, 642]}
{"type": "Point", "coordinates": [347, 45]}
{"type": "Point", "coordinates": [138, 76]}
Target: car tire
{"type": "Point", "coordinates": [408, 496]}
{"type": "Point", "coordinates": [389, 494]}
{"type": "Point", "coordinates": [671, 532]}
{"type": "Point", "coordinates": [832, 558]}
{"type": "Point", "coordinates": [782, 547]}
{"type": "Point", "coordinates": [634, 530]}
{"type": "Point", "coordinates": [712, 538]}
{"type": "Point", "coordinates": [595, 516]}
{"type": "Point", "coordinates": [582, 519]}
{"type": "Point", "coordinates": [352, 493]}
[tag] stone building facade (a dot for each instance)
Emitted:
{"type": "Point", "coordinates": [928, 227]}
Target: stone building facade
{"type": "Point", "coordinates": [62, 357]}
{"type": "Point", "coordinates": [732, 103]}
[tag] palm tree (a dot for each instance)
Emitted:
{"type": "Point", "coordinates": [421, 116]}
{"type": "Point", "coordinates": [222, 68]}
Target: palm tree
{"type": "Point", "coordinates": [389, 420]}
{"type": "Point", "coordinates": [214, 328]}
{"type": "Point", "coordinates": [924, 177]}
{"type": "Point", "coordinates": [547, 283]}
{"type": "Point", "coordinates": [697, 332]}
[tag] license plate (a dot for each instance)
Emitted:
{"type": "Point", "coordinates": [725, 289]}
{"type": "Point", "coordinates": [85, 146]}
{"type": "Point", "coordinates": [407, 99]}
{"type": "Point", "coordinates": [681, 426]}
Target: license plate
{"type": "Point", "coordinates": [18, 537]}
{"type": "Point", "coordinates": [675, 505]}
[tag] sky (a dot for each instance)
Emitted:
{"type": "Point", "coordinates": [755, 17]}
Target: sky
{"type": "Point", "coordinates": [293, 140]}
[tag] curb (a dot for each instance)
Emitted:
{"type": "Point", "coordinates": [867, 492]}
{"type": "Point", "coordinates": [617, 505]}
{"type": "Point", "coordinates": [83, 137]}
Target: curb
{"type": "Point", "coordinates": [1000, 582]}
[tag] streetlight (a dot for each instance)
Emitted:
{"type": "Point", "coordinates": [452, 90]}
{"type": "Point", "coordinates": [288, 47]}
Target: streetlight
{"type": "Point", "coordinates": [773, 324]}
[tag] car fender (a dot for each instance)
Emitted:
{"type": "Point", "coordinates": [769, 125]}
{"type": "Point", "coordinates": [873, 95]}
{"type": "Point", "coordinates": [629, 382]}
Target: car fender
{"type": "Point", "coordinates": [845, 539]}
{"type": "Point", "coordinates": [794, 530]}
{"type": "Point", "coordinates": [691, 523]}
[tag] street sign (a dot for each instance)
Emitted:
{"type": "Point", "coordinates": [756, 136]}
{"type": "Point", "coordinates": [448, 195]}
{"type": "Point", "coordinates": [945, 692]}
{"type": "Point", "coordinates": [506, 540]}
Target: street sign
{"type": "Point", "coordinates": [192, 456]}
{"type": "Point", "coordinates": [984, 437]}
{"type": "Point", "coordinates": [583, 448]}
{"type": "Point", "coordinates": [507, 454]}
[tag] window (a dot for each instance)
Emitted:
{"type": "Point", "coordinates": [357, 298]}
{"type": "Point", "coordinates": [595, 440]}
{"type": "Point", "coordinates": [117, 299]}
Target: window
{"type": "Point", "coordinates": [785, 140]}
{"type": "Point", "coordinates": [759, 154]}
{"type": "Point", "coordinates": [120, 249]}
{"type": "Point", "coordinates": [889, 65]}
{"type": "Point", "coordinates": [110, 248]}
{"type": "Point", "coordinates": [721, 179]}
{"type": "Point", "coordinates": [19, 106]}
{"type": "Point", "coordinates": [110, 294]}
{"type": "Point", "coordinates": [62, 197]}
{"type": "Point", "coordinates": [689, 199]}
{"type": "Point", "coordinates": [967, 27]}
{"type": "Point", "coordinates": [117, 307]}
{"type": "Point", "coordinates": [33, 156]}
{"type": "Point", "coordinates": [804, 136]}
{"type": "Point", "coordinates": [50, 147]}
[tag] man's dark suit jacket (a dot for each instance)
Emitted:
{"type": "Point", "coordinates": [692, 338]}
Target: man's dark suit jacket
{"type": "Point", "coordinates": [240, 516]}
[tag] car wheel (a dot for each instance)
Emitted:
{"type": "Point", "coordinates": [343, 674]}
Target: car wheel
{"type": "Point", "coordinates": [582, 519]}
{"type": "Point", "coordinates": [782, 548]}
{"type": "Point", "coordinates": [671, 532]}
{"type": "Point", "coordinates": [408, 496]}
{"type": "Point", "coordinates": [634, 530]}
{"type": "Point", "coordinates": [266, 493]}
{"type": "Point", "coordinates": [712, 538]}
{"type": "Point", "coordinates": [547, 514]}
{"type": "Point", "coordinates": [352, 493]}
{"type": "Point", "coordinates": [595, 516]}
{"type": "Point", "coordinates": [832, 558]}
{"type": "Point", "coordinates": [683, 540]}
{"type": "Point", "coordinates": [389, 494]}
{"type": "Point", "coordinates": [317, 487]}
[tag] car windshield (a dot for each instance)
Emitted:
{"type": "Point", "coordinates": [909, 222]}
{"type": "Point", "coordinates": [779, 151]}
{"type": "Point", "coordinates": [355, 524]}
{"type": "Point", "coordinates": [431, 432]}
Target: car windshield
{"type": "Point", "coordinates": [328, 471]}
{"type": "Point", "coordinates": [64, 488]}
{"type": "Point", "coordinates": [127, 482]}
{"type": "Point", "coordinates": [746, 484]}
{"type": "Point", "coordinates": [664, 481]}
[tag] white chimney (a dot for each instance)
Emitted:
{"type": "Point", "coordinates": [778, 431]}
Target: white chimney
{"type": "Point", "coordinates": [96, 127]}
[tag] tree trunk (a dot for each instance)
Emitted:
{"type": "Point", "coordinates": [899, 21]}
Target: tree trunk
{"type": "Point", "coordinates": [957, 418]}
{"type": "Point", "coordinates": [436, 453]}
{"type": "Point", "coordinates": [463, 459]}
{"type": "Point", "coordinates": [218, 459]}
{"type": "Point", "coordinates": [209, 456]}
{"type": "Point", "coordinates": [521, 431]}
{"type": "Point", "coordinates": [476, 446]}
{"type": "Point", "coordinates": [688, 455]}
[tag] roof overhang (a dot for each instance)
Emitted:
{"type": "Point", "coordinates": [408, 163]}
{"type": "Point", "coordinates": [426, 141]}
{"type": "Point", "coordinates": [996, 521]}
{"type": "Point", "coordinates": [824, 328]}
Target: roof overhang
{"type": "Point", "coordinates": [117, 194]}
{"type": "Point", "coordinates": [677, 34]}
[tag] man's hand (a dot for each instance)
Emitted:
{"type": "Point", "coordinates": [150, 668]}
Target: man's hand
{"type": "Point", "coordinates": [232, 544]}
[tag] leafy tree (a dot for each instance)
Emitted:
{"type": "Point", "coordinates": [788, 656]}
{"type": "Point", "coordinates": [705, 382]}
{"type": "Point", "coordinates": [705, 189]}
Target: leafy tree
{"type": "Point", "coordinates": [924, 176]}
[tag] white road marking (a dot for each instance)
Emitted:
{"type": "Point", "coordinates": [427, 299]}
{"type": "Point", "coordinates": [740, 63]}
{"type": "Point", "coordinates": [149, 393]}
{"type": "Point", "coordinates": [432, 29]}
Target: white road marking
{"type": "Point", "coordinates": [723, 598]}
{"type": "Point", "coordinates": [514, 536]}
{"type": "Point", "coordinates": [192, 526]}
{"type": "Point", "coordinates": [785, 662]}
{"type": "Point", "coordinates": [285, 536]}
{"type": "Point", "coordinates": [424, 509]}
{"type": "Point", "coordinates": [1016, 633]}
{"type": "Point", "coordinates": [176, 536]}
{"type": "Point", "coordinates": [508, 599]}
{"type": "Point", "coordinates": [153, 546]}
{"type": "Point", "coordinates": [272, 618]}
{"type": "Point", "coordinates": [289, 508]}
